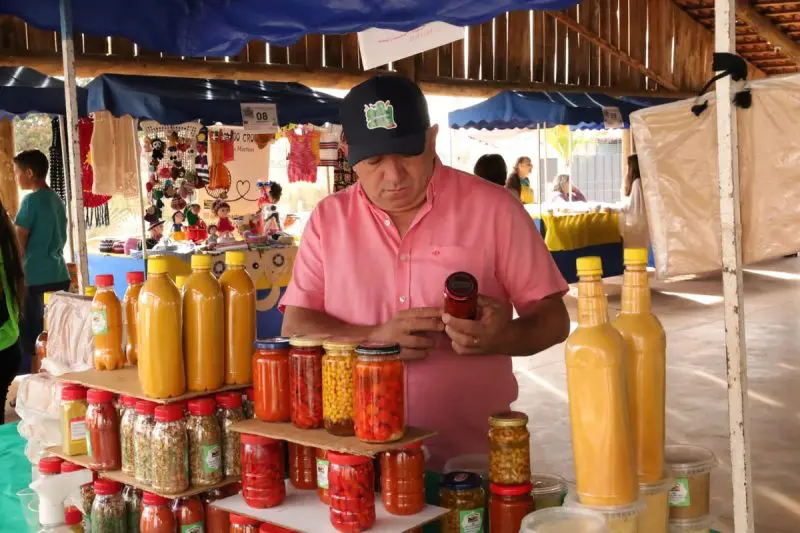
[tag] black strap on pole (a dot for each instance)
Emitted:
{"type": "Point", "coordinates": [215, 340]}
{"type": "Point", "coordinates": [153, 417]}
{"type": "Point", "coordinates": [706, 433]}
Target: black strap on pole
{"type": "Point", "coordinates": [727, 65]}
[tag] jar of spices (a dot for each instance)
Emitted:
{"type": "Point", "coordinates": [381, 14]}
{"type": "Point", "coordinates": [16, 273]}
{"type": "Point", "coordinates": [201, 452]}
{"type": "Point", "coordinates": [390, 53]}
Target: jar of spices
{"type": "Point", "coordinates": [217, 520]}
{"type": "Point", "coordinates": [102, 426]}
{"type": "Point", "coordinates": [461, 296]}
{"type": "Point", "coordinates": [243, 524]}
{"type": "Point", "coordinates": [462, 493]}
{"type": "Point", "coordinates": [302, 466]}
{"type": "Point", "coordinates": [262, 472]}
{"type": "Point", "coordinates": [50, 466]}
{"type": "Point", "coordinates": [73, 520]}
{"type": "Point", "coordinates": [73, 420]}
{"type": "Point", "coordinates": [133, 507]}
{"type": "Point", "coordinates": [305, 381]}
{"type": "Point", "coordinates": [230, 412]}
{"type": "Point", "coordinates": [337, 386]}
{"type": "Point", "coordinates": [403, 480]}
{"type": "Point", "coordinates": [142, 436]}
{"type": "Point", "coordinates": [508, 505]}
{"type": "Point", "coordinates": [509, 449]}
{"type": "Point", "coordinates": [322, 476]}
{"type": "Point", "coordinates": [379, 393]}
{"type": "Point", "coordinates": [271, 380]}
{"type": "Point", "coordinates": [170, 450]}
{"type": "Point", "coordinates": [205, 443]}
{"type": "Point", "coordinates": [248, 400]}
{"type": "Point", "coordinates": [189, 514]}
{"type": "Point", "coordinates": [126, 423]}
{"type": "Point", "coordinates": [351, 480]}
{"type": "Point", "coordinates": [108, 509]}
{"type": "Point", "coordinates": [157, 517]}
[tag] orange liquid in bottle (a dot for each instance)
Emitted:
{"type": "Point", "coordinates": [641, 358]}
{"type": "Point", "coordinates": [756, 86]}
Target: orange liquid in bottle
{"type": "Point", "coordinates": [203, 328]}
{"type": "Point", "coordinates": [130, 304]}
{"type": "Point", "coordinates": [240, 319]}
{"type": "Point", "coordinates": [107, 325]}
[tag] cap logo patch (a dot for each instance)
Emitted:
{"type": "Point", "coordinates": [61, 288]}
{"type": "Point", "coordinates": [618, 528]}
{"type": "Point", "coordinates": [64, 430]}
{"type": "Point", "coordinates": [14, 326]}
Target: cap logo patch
{"type": "Point", "coordinates": [380, 115]}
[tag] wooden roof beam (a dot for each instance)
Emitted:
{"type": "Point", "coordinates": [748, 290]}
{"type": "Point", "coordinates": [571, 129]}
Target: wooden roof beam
{"type": "Point", "coordinates": [768, 30]}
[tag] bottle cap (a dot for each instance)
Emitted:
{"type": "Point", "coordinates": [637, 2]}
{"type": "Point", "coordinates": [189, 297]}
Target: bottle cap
{"type": "Point", "coordinates": [308, 341]}
{"type": "Point", "coordinates": [47, 297]}
{"type": "Point", "coordinates": [169, 413]}
{"type": "Point", "coordinates": [590, 266]}
{"type": "Point", "coordinates": [234, 258]}
{"type": "Point", "coordinates": [229, 400]}
{"type": "Point", "coordinates": [136, 276]}
{"type": "Point", "coordinates": [89, 290]}
{"type": "Point", "coordinates": [99, 396]}
{"type": "Point", "coordinates": [460, 286]}
{"type": "Point", "coordinates": [143, 407]}
{"type": "Point", "coordinates": [67, 467]}
{"type": "Point", "coordinates": [73, 392]}
{"type": "Point", "coordinates": [157, 265]}
{"type": "Point", "coordinates": [378, 348]}
{"type": "Point", "coordinates": [508, 419]}
{"type": "Point", "coordinates": [72, 516]}
{"type": "Point", "coordinates": [148, 498]}
{"type": "Point", "coordinates": [341, 344]}
{"type": "Point", "coordinates": [180, 281]}
{"type": "Point", "coordinates": [202, 407]}
{"type": "Point", "coordinates": [635, 256]}
{"type": "Point", "coordinates": [128, 401]}
{"type": "Point", "coordinates": [511, 490]}
{"type": "Point", "coordinates": [104, 280]}
{"type": "Point", "coordinates": [275, 343]}
{"type": "Point", "coordinates": [50, 465]}
{"type": "Point", "coordinates": [461, 481]}
{"type": "Point", "coordinates": [105, 487]}
{"type": "Point", "coordinates": [202, 261]}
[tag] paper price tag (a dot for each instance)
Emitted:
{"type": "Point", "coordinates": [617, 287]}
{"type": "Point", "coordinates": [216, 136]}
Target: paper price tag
{"type": "Point", "coordinates": [612, 117]}
{"type": "Point", "coordinates": [260, 118]}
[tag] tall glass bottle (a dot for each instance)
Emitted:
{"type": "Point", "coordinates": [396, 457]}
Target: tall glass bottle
{"type": "Point", "coordinates": [203, 335]}
{"type": "Point", "coordinates": [240, 319]}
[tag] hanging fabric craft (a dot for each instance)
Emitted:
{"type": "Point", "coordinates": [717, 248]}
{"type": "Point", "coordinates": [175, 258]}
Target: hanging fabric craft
{"type": "Point", "coordinates": [329, 145]}
{"type": "Point", "coordinates": [114, 162]}
{"type": "Point", "coordinates": [221, 152]}
{"type": "Point", "coordinates": [95, 205]}
{"type": "Point", "coordinates": [302, 161]}
{"type": "Point", "coordinates": [343, 174]}
{"type": "Point", "coordinates": [58, 177]}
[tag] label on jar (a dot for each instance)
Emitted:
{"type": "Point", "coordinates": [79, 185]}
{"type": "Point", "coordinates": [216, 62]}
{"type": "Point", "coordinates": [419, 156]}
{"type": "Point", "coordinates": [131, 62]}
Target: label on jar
{"type": "Point", "coordinates": [99, 322]}
{"type": "Point", "coordinates": [197, 527]}
{"type": "Point", "coordinates": [322, 473]}
{"type": "Point", "coordinates": [470, 521]}
{"type": "Point", "coordinates": [212, 458]}
{"type": "Point", "coordinates": [77, 428]}
{"type": "Point", "coordinates": [679, 495]}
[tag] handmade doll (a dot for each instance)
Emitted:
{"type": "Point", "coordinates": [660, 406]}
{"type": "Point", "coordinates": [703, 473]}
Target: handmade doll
{"type": "Point", "coordinates": [269, 212]}
{"type": "Point", "coordinates": [224, 225]}
{"type": "Point", "coordinates": [156, 232]}
{"type": "Point", "coordinates": [177, 221]}
{"type": "Point", "coordinates": [213, 238]}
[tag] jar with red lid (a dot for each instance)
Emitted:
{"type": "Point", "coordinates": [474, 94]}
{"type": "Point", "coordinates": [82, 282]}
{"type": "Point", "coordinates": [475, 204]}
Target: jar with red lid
{"type": "Point", "coordinates": [262, 471]}
{"type": "Point", "coordinates": [170, 450]}
{"type": "Point", "coordinates": [230, 413]}
{"type": "Point", "coordinates": [126, 423]}
{"type": "Point", "coordinates": [133, 505]}
{"type": "Point", "coordinates": [102, 429]}
{"type": "Point", "coordinates": [157, 517]}
{"type": "Point", "coordinates": [217, 520]}
{"type": "Point", "coordinates": [461, 296]}
{"type": "Point", "coordinates": [189, 514]}
{"type": "Point", "coordinates": [108, 510]}
{"type": "Point", "coordinates": [271, 381]}
{"type": "Point", "coordinates": [73, 420]}
{"type": "Point", "coordinates": [305, 381]}
{"type": "Point", "coordinates": [243, 524]}
{"type": "Point", "coordinates": [248, 403]}
{"type": "Point", "coordinates": [142, 440]}
{"type": "Point", "coordinates": [403, 480]}
{"type": "Point", "coordinates": [302, 466]}
{"type": "Point", "coordinates": [50, 466]}
{"type": "Point", "coordinates": [351, 482]}
{"type": "Point", "coordinates": [379, 393]}
{"type": "Point", "coordinates": [322, 476]}
{"type": "Point", "coordinates": [508, 505]}
{"type": "Point", "coordinates": [205, 443]}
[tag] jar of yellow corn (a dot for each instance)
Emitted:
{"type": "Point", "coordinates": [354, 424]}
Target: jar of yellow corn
{"type": "Point", "coordinates": [337, 386]}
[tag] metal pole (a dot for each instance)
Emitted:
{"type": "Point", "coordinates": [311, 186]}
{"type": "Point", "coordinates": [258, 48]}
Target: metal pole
{"type": "Point", "coordinates": [71, 99]}
{"type": "Point", "coordinates": [539, 188]}
{"type": "Point", "coordinates": [141, 191]}
{"type": "Point", "coordinates": [569, 162]}
{"type": "Point", "coordinates": [62, 132]}
{"type": "Point", "coordinates": [545, 156]}
{"type": "Point", "coordinates": [732, 283]}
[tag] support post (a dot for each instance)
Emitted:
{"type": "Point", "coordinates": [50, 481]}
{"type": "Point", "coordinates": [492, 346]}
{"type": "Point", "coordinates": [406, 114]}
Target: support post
{"type": "Point", "coordinates": [141, 192]}
{"type": "Point", "coordinates": [62, 132]}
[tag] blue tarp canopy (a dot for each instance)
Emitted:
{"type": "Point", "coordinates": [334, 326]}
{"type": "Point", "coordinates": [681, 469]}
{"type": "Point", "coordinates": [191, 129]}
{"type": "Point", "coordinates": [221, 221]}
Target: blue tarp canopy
{"type": "Point", "coordinates": [222, 27]}
{"type": "Point", "coordinates": [24, 90]}
{"type": "Point", "coordinates": [177, 100]}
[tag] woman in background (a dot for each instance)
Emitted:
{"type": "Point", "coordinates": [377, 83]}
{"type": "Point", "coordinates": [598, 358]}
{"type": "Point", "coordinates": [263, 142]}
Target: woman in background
{"type": "Point", "coordinates": [563, 192]}
{"type": "Point", "coordinates": [634, 230]}
{"type": "Point", "coordinates": [519, 179]}
{"type": "Point", "coordinates": [12, 293]}
{"type": "Point", "coordinates": [491, 167]}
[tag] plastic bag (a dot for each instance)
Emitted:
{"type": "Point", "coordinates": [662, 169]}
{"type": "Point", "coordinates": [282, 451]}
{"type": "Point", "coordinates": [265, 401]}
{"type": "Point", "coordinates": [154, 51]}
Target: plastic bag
{"type": "Point", "coordinates": [633, 219]}
{"type": "Point", "coordinates": [38, 401]}
{"type": "Point", "coordinates": [70, 343]}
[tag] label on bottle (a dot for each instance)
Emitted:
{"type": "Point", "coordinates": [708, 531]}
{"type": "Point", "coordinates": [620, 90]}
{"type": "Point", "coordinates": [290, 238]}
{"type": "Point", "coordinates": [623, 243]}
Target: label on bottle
{"type": "Point", "coordinates": [77, 428]}
{"type": "Point", "coordinates": [197, 527]}
{"type": "Point", "coordinates": [212, 458]}
{"type": "Point", "coordinates": [470, 521]}
{"type": "Point", "coordinates": [99, 322]}
{"type": "Point", "coordinates": [679, 495]}
{"type": "Point", "coordinates": [322, 473]}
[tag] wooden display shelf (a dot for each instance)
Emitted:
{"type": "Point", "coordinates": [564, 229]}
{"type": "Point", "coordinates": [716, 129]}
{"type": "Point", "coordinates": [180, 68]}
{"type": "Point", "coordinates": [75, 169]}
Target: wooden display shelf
{"type": "Point", "coordinates": [319, 438]}
{"type": "Point", "coordinates": [126, 381]}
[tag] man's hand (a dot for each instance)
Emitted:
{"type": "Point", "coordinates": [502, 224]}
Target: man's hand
{"type": "Point", "coordinates": [410, 329]}
{"type": "Point", "coordinates": [481, 336]}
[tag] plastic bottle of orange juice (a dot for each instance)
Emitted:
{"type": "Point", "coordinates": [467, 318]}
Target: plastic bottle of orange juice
{"type": "Point", "coordinates": [158, 327]}
{"type": "Point", "coordinates": [130, 304]}
{"type": "Point", "coordinates": [107, 325]}
{"type": "Point", "coordinates": [602, 437]}
{"type": "Point", "coordinates": [646, 346]}
{"type": "Point", "coordinates": [203, 327]}
{"type": "Point", "coordinates": [240, 319]}
{"type": "Point", "coordinates": [180, 281]}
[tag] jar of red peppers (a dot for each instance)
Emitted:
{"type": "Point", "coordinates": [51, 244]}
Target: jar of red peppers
{"type": "Point", "coordinates": [303, 466]}
{"type": "Point", "coordinates": [271, 382]}
{"type": "Point", "coordinates": [243, 524]}
{"type": "Point", "coordinates": [322, 476]}
{"type": "Point", "coordinates": [217, 520]}
{"type": "Point", "coordinates": [157, 517]}
{"type": "Point", "coordinates": [102, 431]}
{"type": "Point", "coordinates": [306, 381]}
{"type": "Point", "coordinates": [403, 480]}
{"type": "Point", "coordinates": [379, 393]}
{"type": "Point", "coordinates": [508, 505]}
{"type": "Point", "coordinates": [337, 386]}
{"type": "Point", "coordinates": [189, 515]}
{"type": "Point", "coordinates": [262, 472]}
{"type": "Point", "coordinates": [351, 480]}
{"type": "Point", "coordinates": [461, 296]}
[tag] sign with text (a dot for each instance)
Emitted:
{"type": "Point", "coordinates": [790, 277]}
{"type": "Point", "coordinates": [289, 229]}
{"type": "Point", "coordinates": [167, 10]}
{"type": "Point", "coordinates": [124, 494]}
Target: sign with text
{"type": "Point", "coordinates": [612, 117]}
{"type": "Point", "coordinates": [260, 117]}
{"type": "Point", "coordinates": [379, 47]}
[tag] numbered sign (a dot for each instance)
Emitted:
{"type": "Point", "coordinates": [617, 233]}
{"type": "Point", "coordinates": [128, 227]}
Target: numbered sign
{"type": "Point", "coordinates": [612, 117]}
{"type": "Point", "coordinates": [260, 118]}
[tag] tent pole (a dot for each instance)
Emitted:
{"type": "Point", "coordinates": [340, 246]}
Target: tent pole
{"type": "Point", "coordinates": [141, 191]}
{"type": "Point", "coordinates": [62, 132]}
{"type": "Point", "coordinates": [539, 174]}
{"type": "Point", "coordinates": [569, 161]}
{"type": "Point", "coordinates": [71, 99]}
{"type": "Point", "coordinates": [732, 282]}
{"type": "Point", "coordinates": [544, 181]}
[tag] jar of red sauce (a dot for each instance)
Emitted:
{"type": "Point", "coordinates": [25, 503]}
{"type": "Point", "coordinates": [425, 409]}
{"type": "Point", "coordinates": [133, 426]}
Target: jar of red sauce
{"type": "Point", "coordinates": [508, 505]}
{"type": "Point", "coordinates": [243, 524]}
{"type": "Point", "coordinates": [189, 514]}
{"type": "Point", "coordinates": [403, 480]}
{"type": "Point", "coordinates": [303, 466]}
{"type": "Point", "coordinates": [379, 393]}
{"type": "Point", "coordinates": [217, 520]}
{"type": "Point", "coordinates": [306, 381]}
{"type": "Point", "coordinates": [156, 517]}
{"type": "Point", "coordinates": [322, 476]}
{"type": "Point", "coordinates": [271, 381]}
{"type": "Point", "coordinates": [262, 471]}
{"type": "Point", "coordinates": [351, 480]}
{"type": "Point", "coordinates": [461, 296]}
{"type": "Point", "coordinates": [102, 427]}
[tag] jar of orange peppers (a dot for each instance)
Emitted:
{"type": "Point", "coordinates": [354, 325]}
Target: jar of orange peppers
{"type": "Point", "coordinates": [271, 380]}
{"type": "Point", "coordinates": [305, 381]}
{"type": "Point", "coordinates": [379, 393]}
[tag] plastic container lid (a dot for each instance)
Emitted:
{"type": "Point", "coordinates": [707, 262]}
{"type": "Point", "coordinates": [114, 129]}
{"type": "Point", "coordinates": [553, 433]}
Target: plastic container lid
{"type": "Point", "coordinates": [378, 348]}
{"type": "Point", "coordinates": [169, 413]}
{"type": "Point", "coordinates": [50, 465]}
{"type": "Point", "coordinates": [73, 392]}
{"type": "Point", "coordinates": [690, 525]}
{"type": "Point", "coordinates": [256, 440]}
{"type": "Point", "coordinates": [157, 265]}
{"type": "Point", "coordinates": [229, 400]}
{"type": "Point", "coordinates": [202, 261]}
{"type": "Point", "coordinates": [72, 516]}
{"type": "Point", "coordinates": [202, 407]}
{"type": "Point", "coordinates": [89, 290]}
{"type": "Point", "coordinates": [308, 341]}
{"type": "Point", "coordinates": [148, 498]}
{"type": "Point", "coordinates": [635, 256]}
{"type": "Point", "coordinates": [477, 463]}
{"type": "Point", "coordinates": [659, 487]}
{"type": "Point", "coordinates": [99, 396]}
{"type": "Point", "coordinates": [461, 481]}
{"type": "Point", "coordinates": [274, 343]}
{"type": "Point", "coordinates": [589, 266]}
{"type": "Point", "coordinates": [104, 280]}
{"type": "Point", "coordinates": [460, 286]}
{"type": "Point", "coordinates": [511, 490]}
{"type": "Point", "coordinates": [547, 484]}
{"type": "Point", "coordinates": [347, 459]}
{"type": "Point", "coordinates": [508, 419]}
{"type": "Point", "coordinates": [180, 281]}
{"type": "Point", "coordinates": [576, 519]}
{"type": "Point", "coordinates": [135, 276]}
{"type": "Point", "coordinates": [105, 487]}
{"type": "Point", "coordinates": [341, 344]}
{"type": "Point", "coordinates": [143, 407]}
{"type": "Point", "coordinates": [234, 258]}
{"type": "Point", "coordinates": [612, 512]}
{"type": "Point", "coordinates": [243, 520]}
{"type": "Point", "coordinates": [687, 460]}
{"type": "Point", "coordinates": [67, 467]}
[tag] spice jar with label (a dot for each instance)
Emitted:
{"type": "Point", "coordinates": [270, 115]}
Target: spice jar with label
{"type": "Point", "coordinates": [338, 366]}
{"type": "Point", "coordinates": [102, 429]}
{"type": "Point", "coordinates": [133, 506]}
{"type": "Point", "coordinates": [230, 412]}
{"type": "Point", "coordinates": [126, 422]}
{"type": "Point", "coordinates": [108, 510]}
{"type": "Point", "coordinates": [73, 420]}
{"type": "Point", "coordinates": [302, 466]}
{"type": "Point", "coordinates": [262, 472]}
{"type": "Point", "coordinates": [271, 381]}
{"type": "Point", "coordinates": [205, 443]}
{"type": "Point", "coordinates": [322, 476]}
{"type": "Point", "coordinates": [189, 514]}
{"type": "Point", "coordinates": [351, 481]}
{"type": "Point", "coordinates": [379, 393]}
{"type": "Point", "coordinates": [157, 517]}
{"type": "Point", "coordinates": [403, 480]}
{"type": "Point", "coordinates": [217, 520]}
{"type": "Point", "coordinates": [461, 296]}
{"type": "Point", "coordinates": [462, 493]}
{"type": "Point", "coordinates": [305, 380]}
{"type": "Point", "coordinates": [243, 524]}
{"type": "Point", "coordinates": [508, 505]}
{"type": "Point", "coordinates": [142, 435]}
{"type": "Point", "coordinates": [170, 450]}
{"type": "Point", "coordinates": [509, 449]}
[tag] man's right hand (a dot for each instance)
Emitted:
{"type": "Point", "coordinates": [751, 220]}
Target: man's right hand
{"type": "Point", "coordinates": [409, 328]}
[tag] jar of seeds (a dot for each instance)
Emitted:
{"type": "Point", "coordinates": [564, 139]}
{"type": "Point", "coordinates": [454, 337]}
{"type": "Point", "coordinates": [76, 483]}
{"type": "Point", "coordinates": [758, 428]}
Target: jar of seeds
{"type": "Point", "coordinates": [170, 450]}
{"type": "Point", "coordinates": [108, 509]}
{"type": "Point", "coordinates": [126, 422]}
{"type": "Point", "coordinates": [509, 449]}
{"type": "Point", "coordinates": [133, 507]}
{"type": "Point", "coordinates": [142, 435]}
{"type": "Point", "coordinates": [230, 412]}
{"type": "Point", "coordinates": [205, 443]}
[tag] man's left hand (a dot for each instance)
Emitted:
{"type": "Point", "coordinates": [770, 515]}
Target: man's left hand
{"type": "Point", "coordinates": [481, 336]}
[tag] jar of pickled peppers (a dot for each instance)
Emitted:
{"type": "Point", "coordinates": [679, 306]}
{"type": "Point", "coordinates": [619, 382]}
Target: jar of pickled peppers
{"type": "Point", "coordinates": [403, 480]}
{"type": "Point", "coordinates": [305, 381]}
{"type": "Point", "coordinates": [508, 505]}
{"type": "Point", "coordinates": [337, 386]}
{"type": "Point", "coordinates": [351, 480]}
{"type": "Point", "coordinates": [379, 393]}
{"type": "Point", "coordinates": [271, 381]}
{"type": "Point", "coordinates": [461, 296]}
{"type": "Point", "coordinates": [462, 493]}
{"type": "Point", "coordinates": [262, 471]}
{"type": "Point", "coordinates": [509, 449]}
{"type": "Point", "coordinates": [302, 466]}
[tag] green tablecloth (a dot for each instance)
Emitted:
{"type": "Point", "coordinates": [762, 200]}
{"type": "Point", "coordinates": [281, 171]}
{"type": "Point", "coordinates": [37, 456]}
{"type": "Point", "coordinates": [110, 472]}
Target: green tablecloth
{"type": "Point", "coordinates": [16, 475]}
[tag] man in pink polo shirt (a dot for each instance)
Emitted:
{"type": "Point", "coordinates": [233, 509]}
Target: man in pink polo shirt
{"type": "Point", "coordinates": [374, 258]}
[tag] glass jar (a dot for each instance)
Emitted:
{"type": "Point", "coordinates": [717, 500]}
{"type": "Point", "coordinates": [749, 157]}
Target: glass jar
{"type": "Point", "coordinates": [73, 420]}
{"type": "Point", "coordinates": [157, 517]}
{"type": "Point", "coordinates": [243, 524]}
{"type": "Point", "coordinates": [262, 472]}
{"type": "Point", "coordinates": [248, 401]}
{"type": "Point", "coordinates": [271, 381]}
{"type": "Point", "coordinates": [126, 423]}
{"type": "Point", "coordinates": [461, 296]}
{"type": "Point", "coordinates": [462, 493]}
{"type": "Point", "coordinates": [337, 386]}
{"type": "Point", "coordinates": [205, 443]}
{"type": "Point", "coordinates": [230, 412]}
{"type": "Point", "coordinates": [133, 506]}
{"type": "Point", "coordinates": [108, 510]}
{"type": "Point", "coordinates": [142, 440]}
{"type": "Point", "coordinates": [305, 381]}
{"type": "Point", "coordinates": [217, 520]}
{"type": "Point", "coordinates": [379, 393]}
{"type": "Point", "coordinates": [189, 514]}
{"type": "Point", "coordinates": [102, 429]}
{"type": "Point", "coordinates": [302, 466]}
{"type": "Point", "coordinates": [170, 450]}
{"type": "Point", "coordinates": [509, 449]}
{"type": "Point", "coordinates": [508, 505]}
{"type": "Point", "coordinates": [352, 491]}
{"type": "Point", "coordinates": [322, 476]}
{"type": "Point", "coordinates": [403, 480]}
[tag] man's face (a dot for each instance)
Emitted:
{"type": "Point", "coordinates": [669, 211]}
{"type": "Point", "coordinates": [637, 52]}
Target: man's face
{"type": "Point", "coordinates": [397, 183]}
{"type": "Point", "coordinates": [24, 177]}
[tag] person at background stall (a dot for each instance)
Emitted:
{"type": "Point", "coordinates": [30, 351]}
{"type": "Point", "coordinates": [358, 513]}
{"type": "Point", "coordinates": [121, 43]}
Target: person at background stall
{"type": "Point", "coordinates": [155, 233]}
{"type": "Point", "coordinates": [42, 233]}
{"type": "Point", "coordinates": [491, 167]}
{"type": "Point", "coordinates": [520, 179]}
{"type": "Point", "coordinates": [374, 258]}
{"type": "Point", "coordinates": [563, 192]}
{"type": "Point", "coordinates": [633, 219]}
{"type": "Point", "coordinates": [12, 296]}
